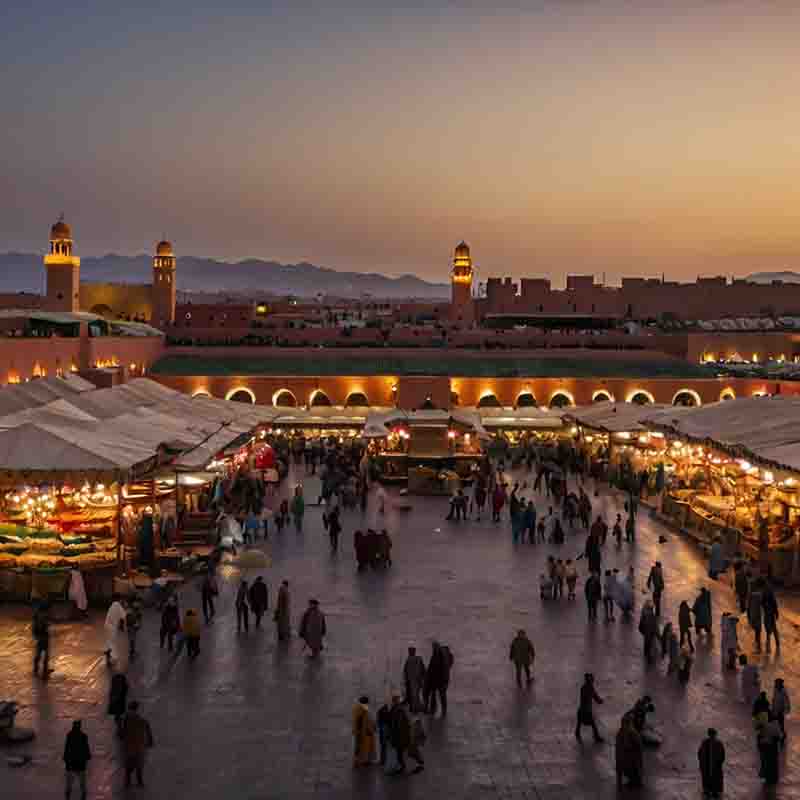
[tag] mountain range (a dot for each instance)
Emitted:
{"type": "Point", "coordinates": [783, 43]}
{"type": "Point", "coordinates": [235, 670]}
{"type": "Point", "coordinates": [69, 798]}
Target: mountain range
{"type": "Point", "coordinates": [24, 272]}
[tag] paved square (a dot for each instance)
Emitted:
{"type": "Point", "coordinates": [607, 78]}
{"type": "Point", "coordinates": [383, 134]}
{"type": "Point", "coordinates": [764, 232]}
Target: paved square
{"type": "Point", "coordinates": [253, 720]}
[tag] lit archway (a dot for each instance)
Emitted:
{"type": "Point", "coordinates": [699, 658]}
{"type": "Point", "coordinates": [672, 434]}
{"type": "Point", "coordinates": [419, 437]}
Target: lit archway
{"type": "Point", "coordinates": [561, 399]}
{"type": "Point", "coordinates": [759, 393]}
{"type": "Point", "coordinates": [284, 398]}
{"type": "Point", "coordinates": [526, 400]}
{"type": "Point", "coordinates": [602, 396]}
{"type": "Point", "coordinates": [201, 393]}
{"type": "Point", "coordinates": [319, 398]}
{"type": "Point", "coordinates": [640, 397]}
{"type": "Point", "coordinates": [102, 310]}
{"type": "Point", "coordinates": [454, 398]}
{"type": "Point", "coordinates": [428, 404]}
{"type": "Point", "coordinates": [356, 400]}
{"type": "Point", "coordinates": [727, 394]}
{"type": "Point", "coordinates": [687, 397]}
{"type": "Point", "coordinates": [241, 394]}
{"type": "Point", "coordinates": [489, 401]}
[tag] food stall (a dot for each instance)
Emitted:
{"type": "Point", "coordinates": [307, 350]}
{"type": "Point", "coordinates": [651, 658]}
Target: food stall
{"type": "Point", "coordinates": [737, 477]}
{"type": "Point", "coordinates": [434, 452]}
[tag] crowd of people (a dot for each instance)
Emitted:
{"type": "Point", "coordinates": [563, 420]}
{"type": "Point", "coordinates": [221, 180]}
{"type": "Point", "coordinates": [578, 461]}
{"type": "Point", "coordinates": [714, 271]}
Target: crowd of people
{"type": "Point", "coordinates": [396, 731]}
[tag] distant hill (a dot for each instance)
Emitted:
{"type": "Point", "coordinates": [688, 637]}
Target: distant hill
{"type": "Point", "coordinates": [767, 277]}
{"type": "Point", "coordinates": [24, 272]}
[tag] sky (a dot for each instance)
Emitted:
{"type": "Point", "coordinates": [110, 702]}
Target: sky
{"type": "Point", "coordinates": [580, 136]}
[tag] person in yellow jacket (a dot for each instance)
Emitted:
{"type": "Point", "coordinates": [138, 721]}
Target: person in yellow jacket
{"type": "Point", "coordinates": [363, 733]}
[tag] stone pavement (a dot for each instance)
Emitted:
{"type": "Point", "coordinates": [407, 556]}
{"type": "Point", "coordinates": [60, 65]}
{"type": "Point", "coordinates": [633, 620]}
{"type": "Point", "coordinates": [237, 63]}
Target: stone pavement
{"type": "Point", "coordinates": [256, 721]}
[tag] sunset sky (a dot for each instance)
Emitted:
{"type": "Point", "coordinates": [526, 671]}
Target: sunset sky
{"type": "Point", "coordinates": [583, 137]}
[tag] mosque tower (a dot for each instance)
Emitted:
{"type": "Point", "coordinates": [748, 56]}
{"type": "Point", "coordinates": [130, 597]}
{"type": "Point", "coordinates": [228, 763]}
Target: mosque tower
{"type": "Point", "coordinates": [63, 270]}
{"type": "Point", "coordinates": [163, 285]}
{"type": "Point", "coordinates": [462, 306]}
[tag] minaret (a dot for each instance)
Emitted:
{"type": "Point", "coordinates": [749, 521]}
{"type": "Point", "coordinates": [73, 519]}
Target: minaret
{"type": "Point", "coordinates": [63, 270]}
{"type": "Point", "coordinates": [462, 307]}
{"type": "Point", "coordinates": [163, 285]}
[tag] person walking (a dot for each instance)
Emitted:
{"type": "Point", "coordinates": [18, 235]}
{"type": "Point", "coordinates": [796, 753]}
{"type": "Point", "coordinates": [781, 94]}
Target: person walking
{"type": "Point", "coordinates": [76, 759]}
{"type": "Point", "coordinates": [594, 591]}
{"type": "Point", "coordinates": [593, 553]}
{"type": "Point", "coordinates": [399, 733]}
{"type": "Point", "coordinates": [617, 532]}
{"type": "Point", "coordinates": [609, 592]}
{"type": "Point", "coordinates": [414, 680]}
{"type": "Point", "coordinates": [588, 697]}
{"type": "Point", "coordinates": [530, 523]}
{"type": "Point", "coordinates": [754, 612]}
{"type": "Point", "coordinates": [630, 528]}
{"type": "Point", "coordinates": [208, 591]}
{"type": "Point", "coordinates": [282, 616]}
{"type": "Point", "coordinates": [702, 612]}
{"type": "Point", "coordinates": [118, 699]}
{"type": "Point", "coordinates": [137, 739]}
{"type": "Point", "coordinates": [781, 706]}
{"type": "Point", "coordinates": [685, 624]}
{"type": "Point", "coordinates": [629, 753]}
{"type": "Point", "coordinates": [522, 656]}
{"type": "Point", "coordinates": [768, 741]}
{"type": "Point", "coordinates": [41, 637]}
{"type": "Point", "coordinates": [259, 599]}
{"type": "Point", "coordinates": [437, 678]}
{"type": "Point", "coordinates": [363, 733]}
{"type": "Point", "coordinates": [298, 508]}
{"type": "Point", "coordinates": [313, 628]}
{"type": "Point", "coordinates": [571, 577]}
{"type": "Point", "coordinates": [648, 627]}
{"type": "Point", "coordinates": [655, 582]}
{"type": "Point", "coordinates": [170, 623]}
{"type": "Point", "coordinates": [741, 585]}
{"type": "Point", "coordinates": [242, 608]}
{"type": "Point", "coordinates": [334, 529]}
{"type": "Point", "coordinates": [116, 637]}
{"type": "Point", "coordinates": [191, 632]}
{"type": "Point", "coordinates": [711, 756]}
{"type": "Point", "coordinates": [769, 608]}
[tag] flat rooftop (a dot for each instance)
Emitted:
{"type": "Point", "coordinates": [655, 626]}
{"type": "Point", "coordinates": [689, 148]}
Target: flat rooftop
{"type": "Point", "coordinates": [550, 363]}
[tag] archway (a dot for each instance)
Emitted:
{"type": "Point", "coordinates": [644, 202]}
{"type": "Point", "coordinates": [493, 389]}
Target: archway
{"type": "Point", "coordinates": [489, 401]}
{"type": "Point", "coordinates": [526, 400]}
{"type": "Point", "coordinates": [319, 398]}
{"type": "Point", "coordinates": [454, 398]}
{"type": "Point", "coordinates": [602, 396]}
{"type": "Point", "coordinates": [357, 400]}
{"type": "Point", "coordinates": [428, 404]}
{"type": "Point", "coordinates": [727, 394]}
{"type": "Point", "coordinates": [561, 400]}
{"type": "Point", "coordinates": [284, 398]}
{"type": "Point", "coordinates": [686, 397]}
{"type": "Point", "coordinates": [241, 395]}
{"type": "Point", "coordinates": [201, 393]}
{"type": "Point", "coordinates": [640, 397]}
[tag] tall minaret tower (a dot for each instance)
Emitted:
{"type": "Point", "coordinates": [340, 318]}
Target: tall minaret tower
{"type": "Point", "coordinates": [462, 306]}
{"type": "Point", "coordinates": [63, 270]}
{"type": "Point", "coordinates": [163, 285]}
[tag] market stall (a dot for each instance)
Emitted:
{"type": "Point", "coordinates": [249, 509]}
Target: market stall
{"type": "Point", "coordinates": [737, 476]}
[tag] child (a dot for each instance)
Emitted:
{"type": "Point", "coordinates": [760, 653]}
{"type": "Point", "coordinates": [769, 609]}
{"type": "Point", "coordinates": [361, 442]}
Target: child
{"type": "Point", "coordinates": [751, 681]}
{"type": "Point", "coordinates": [781, 706]}
{"type": "Point", "coordinates": [571, 575]}
{"type": "Point", "coordinates": [545, 587]}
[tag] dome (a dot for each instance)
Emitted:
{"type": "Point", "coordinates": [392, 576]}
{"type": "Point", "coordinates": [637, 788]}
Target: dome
{"type": "Point", "coordinates": [60, 230]}
{"type": "Point", "coordinates": [462, 250]}
{"type": "Point", "coordinates": [164, 248]}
